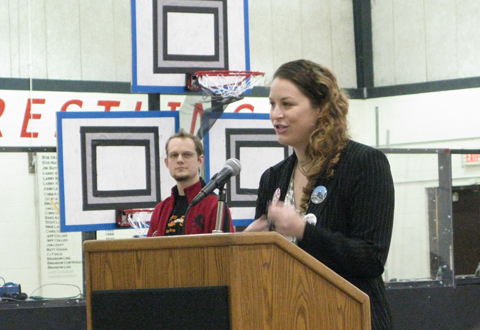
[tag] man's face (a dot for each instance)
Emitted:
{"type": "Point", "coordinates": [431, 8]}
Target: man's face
{"type": "Point", "coordinates": [183, 162]}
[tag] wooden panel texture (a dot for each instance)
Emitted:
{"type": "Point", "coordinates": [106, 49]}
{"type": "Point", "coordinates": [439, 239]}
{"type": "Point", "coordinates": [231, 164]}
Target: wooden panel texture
{"type": "Point", "coordinates": [272, 283]}
{"type": "Point", "coordinates": [284, 294]}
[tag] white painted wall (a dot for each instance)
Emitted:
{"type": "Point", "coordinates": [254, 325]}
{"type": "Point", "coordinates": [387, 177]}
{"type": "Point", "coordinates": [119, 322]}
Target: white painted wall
{"type": "Point", "coordinates": [65, 39]}
{"type": "Point", "coordinates": [425, 40]}
{"type": "Point", "coordinates": [413, 41]}
{"type": "Point", "coordinates": [318, 30]}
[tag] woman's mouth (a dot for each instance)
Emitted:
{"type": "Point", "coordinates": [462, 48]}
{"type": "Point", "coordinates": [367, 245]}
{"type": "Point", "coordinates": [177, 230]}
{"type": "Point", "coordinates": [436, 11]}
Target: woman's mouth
{"type": "Point", "coordinates": [280, 129]}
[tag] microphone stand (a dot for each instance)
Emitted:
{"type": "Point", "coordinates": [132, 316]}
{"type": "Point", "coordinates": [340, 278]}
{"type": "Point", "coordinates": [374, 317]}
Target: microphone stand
{"type": "Point", "coordinates": [222, 193]}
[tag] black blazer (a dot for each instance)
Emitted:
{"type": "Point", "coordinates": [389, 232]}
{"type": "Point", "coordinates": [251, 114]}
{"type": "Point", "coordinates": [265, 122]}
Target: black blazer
{"type": "Point", "coordinates": [354, 223]}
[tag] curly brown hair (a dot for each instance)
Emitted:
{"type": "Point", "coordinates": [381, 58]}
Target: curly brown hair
{"type": "Point", "coordinates": [326, 142]}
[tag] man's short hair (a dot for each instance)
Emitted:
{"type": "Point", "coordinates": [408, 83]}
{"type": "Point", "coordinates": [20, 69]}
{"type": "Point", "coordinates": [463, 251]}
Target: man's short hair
{"type": "Point", "coordinates": [182, 134]}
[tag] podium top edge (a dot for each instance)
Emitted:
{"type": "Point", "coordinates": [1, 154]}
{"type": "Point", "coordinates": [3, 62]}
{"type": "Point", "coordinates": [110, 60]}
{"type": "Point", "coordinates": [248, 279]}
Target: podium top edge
{"type": "Point", "coordinates": [187, 241]}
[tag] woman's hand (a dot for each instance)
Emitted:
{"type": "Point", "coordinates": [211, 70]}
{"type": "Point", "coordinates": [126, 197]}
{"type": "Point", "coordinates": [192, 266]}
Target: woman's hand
{"type": "Point", "coordinates": [285, 220]}
{"type": "Point", "coordinates": [260, 224]}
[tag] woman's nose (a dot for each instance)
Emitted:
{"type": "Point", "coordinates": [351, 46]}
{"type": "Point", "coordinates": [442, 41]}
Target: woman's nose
{"type": "Point", "coordinates": [276, 112]}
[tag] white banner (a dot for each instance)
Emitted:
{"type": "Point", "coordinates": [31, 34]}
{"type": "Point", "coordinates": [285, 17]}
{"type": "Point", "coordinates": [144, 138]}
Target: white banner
{"type": "Point", "coordinates": [27, 118]}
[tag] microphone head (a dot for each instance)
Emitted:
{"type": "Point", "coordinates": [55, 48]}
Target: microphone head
{"type": "Point", "coordinates": [234, 165]}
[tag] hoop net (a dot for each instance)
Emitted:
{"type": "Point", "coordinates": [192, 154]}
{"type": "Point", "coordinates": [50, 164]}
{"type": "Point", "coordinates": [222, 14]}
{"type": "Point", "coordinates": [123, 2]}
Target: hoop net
{"type": "Point", "coordinates": [224, 84]}
{"type": "Point", "coordinates": [138, 219]}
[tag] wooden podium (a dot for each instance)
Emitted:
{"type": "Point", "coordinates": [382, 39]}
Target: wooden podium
{"type": "Point", "coordinates": [272, 284]}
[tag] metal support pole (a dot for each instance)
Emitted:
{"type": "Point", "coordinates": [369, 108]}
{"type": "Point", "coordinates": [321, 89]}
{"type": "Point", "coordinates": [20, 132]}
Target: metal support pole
{"type": "Point", "coordinates": [222, 193]}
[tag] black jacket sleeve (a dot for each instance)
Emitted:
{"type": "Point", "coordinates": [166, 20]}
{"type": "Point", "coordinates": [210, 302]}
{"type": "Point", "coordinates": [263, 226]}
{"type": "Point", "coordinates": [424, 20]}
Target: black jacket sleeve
{"type": "Point", "coordinates": [354, 227]}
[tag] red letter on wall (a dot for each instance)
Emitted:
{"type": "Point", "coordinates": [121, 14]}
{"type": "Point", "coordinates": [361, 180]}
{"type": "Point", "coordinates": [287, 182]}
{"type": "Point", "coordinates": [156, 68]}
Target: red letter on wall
{"type": "Point", "coordinates": [29, 116]}
{"type": "Point", "coordinates": [244, 106]}
{"type": "Point", "coordinates": [2, 110]}
{"type": "Point", "coordinates": [174, 105]}
{"type": "Point", "coordinates": [68, 103]}
{"type": "Point", "coordinates": [197, 111]}
{"type": "Point", "coordinates": [109, 104]}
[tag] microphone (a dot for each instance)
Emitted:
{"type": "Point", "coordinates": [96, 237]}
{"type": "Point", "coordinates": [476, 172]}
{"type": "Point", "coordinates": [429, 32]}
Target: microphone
{"type": "Point", "coordinates": [231, 168]}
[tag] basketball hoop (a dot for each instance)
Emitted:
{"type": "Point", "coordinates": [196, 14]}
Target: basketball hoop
{"type": "Point", "coordinates": [224, 85]}
{"type": "Point", "coordinates": [138, 219]}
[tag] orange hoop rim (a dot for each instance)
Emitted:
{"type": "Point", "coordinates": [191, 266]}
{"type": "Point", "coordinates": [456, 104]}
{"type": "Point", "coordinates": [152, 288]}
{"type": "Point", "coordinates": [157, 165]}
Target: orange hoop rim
{"type": "Point", "coordinates": [136, 210]}
{"type": "Point", "coordinates": [245, 73]}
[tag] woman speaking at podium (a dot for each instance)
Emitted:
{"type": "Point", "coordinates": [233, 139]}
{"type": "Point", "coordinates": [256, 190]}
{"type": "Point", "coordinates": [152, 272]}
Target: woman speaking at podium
{"type": "Point", "coordinates": [334, 197]}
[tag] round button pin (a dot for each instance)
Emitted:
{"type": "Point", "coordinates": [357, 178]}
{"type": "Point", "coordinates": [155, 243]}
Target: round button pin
{"type": "Point", "coordinates": [318, 195]}
{"type": "Point", "coordinates": [310, 218]}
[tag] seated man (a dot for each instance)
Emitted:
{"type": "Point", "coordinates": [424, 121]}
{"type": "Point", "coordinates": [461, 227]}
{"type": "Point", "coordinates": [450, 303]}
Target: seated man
{"type": "Point", "coordinates": [184, 160]}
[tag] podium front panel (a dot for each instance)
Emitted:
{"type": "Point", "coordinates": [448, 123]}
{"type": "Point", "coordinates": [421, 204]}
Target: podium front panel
{"type": "Point", "coordinates": [195, 308]}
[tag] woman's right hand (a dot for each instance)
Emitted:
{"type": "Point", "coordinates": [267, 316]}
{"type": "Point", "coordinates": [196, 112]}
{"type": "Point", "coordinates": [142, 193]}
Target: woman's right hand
{"type": "Point", "coordinates": [261, 224]}
{"type": "Point", "coordinates": [286, 220]}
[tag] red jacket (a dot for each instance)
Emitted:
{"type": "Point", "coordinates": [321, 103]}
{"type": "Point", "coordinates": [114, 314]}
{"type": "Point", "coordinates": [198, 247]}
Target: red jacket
{"type": "Point", "coordinates": [201, 218]}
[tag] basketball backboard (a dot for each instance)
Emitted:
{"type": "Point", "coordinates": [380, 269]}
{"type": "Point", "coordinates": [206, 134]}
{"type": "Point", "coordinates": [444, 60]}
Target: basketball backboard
{"type": "Point", "coordinates": [171, 38]}
{"type": "Point", "coordinates": [251, 139]}
{"type": "Point", "coordinates": [109, 161]}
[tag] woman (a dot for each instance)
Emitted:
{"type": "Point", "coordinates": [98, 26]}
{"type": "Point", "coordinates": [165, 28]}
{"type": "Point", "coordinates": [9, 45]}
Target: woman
{"type": "Point", "coordinates": [341, 192]}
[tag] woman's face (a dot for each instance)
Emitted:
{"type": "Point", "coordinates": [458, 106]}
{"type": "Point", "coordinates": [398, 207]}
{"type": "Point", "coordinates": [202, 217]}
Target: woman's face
{"type": "Point", "coordinates": [292, 114]}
